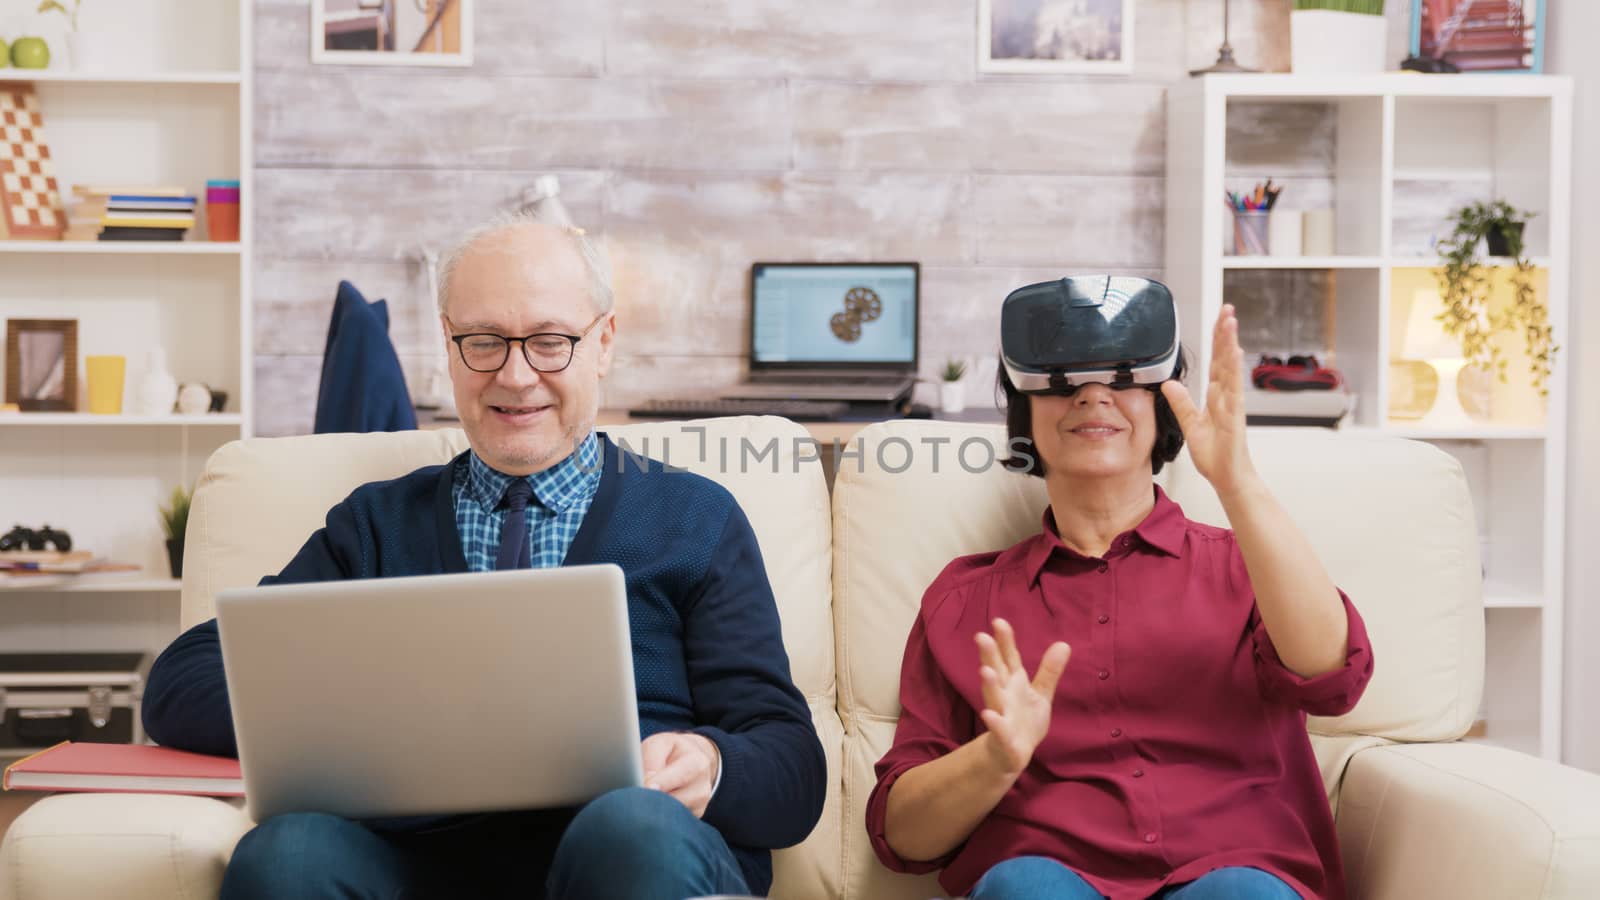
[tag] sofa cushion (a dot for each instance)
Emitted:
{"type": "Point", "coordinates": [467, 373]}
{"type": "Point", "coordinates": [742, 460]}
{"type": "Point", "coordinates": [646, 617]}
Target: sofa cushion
{"type": "Point", "coordinates": [1392, 520]}
{"type": "Point", "coordinates": [258, 500]}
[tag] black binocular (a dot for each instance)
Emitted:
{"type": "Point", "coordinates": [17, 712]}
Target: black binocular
{"type": "Point", "coordinates": [22, 538]}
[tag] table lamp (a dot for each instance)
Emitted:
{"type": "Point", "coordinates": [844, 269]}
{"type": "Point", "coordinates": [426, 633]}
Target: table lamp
{"type": "Point", "coordinates": [1426, 340]}
{"type": "Point", "coordinates": [1225, 63]}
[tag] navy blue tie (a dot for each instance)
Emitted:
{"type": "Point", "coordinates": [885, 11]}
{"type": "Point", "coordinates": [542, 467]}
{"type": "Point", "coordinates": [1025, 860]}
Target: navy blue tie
{"type": "Point", "coordinates": [514, 553]}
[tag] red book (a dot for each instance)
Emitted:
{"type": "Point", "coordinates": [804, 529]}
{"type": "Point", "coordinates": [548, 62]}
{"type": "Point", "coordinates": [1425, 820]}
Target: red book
{"type": "Point", "coordinates": [132, 768]}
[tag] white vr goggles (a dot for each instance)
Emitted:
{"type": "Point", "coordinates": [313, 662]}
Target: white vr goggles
{"type": "Point", "coordinates": [1121, 331]}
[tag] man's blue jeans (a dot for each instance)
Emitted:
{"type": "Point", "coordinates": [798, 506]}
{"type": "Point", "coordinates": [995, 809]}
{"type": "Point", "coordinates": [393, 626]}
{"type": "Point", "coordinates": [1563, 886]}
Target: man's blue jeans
{"type": "Point", "coordinates": [634, 843]}
{"type": "Point", "coordinates": [1039, 878]}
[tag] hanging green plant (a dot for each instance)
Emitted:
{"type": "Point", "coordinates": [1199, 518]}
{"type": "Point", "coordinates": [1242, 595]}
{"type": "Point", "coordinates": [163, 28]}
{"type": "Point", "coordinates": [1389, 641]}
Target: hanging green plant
{"type": "Point", "coordinates": [1464, 285]}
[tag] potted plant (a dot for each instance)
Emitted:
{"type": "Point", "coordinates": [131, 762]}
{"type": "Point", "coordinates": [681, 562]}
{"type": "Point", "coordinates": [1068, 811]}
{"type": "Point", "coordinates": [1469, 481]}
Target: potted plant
{"type": "Point", "coordinates": [952, 396]}
{"type": "Point", "coordinates": [175, 522]}
{"type": "Point", "coordinates": [1337, 37]}
{"type": "Point", "coordinates": [1464, 286]}
{"type": "Point", "coordinates": [69, 9]}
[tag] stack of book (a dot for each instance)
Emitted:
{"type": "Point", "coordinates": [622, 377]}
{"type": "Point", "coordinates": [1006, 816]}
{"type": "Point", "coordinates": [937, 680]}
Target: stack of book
{"type": "Point", "coordinates": [133, 213]}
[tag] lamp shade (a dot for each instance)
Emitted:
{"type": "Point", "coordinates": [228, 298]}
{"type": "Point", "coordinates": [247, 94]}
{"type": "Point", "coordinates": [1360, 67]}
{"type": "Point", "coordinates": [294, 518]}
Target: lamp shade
{"type": "Point", "coordinates": [1425, 337]}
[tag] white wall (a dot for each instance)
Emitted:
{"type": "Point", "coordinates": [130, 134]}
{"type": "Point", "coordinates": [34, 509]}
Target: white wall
{"type": "Point", "coordinates": [1570, 51]}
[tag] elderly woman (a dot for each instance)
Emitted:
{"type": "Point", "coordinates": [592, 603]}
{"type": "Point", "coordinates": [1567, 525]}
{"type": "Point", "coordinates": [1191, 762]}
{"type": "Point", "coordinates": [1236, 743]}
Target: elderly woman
{"type": "Point", "coordinates": [1116, 706]}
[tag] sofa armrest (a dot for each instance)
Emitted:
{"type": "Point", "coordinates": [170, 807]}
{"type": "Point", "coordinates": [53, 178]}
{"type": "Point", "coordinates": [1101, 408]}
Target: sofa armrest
{"type": "Point", "coordinates": [1468, 821]}
{"type": "Point", "coordinates": [131, 846]}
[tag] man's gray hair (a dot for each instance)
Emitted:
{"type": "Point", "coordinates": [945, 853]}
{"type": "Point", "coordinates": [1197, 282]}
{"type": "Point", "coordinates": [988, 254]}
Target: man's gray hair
{"type": "Point", "coordinates": [593, 260]}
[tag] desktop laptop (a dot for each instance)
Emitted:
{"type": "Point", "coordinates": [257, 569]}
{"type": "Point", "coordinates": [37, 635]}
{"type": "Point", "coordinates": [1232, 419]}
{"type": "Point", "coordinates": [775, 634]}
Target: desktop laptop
{"type": "Point", "coordinates": [432, 694]}
{"type": "Point", "coordinates": [832, 332]}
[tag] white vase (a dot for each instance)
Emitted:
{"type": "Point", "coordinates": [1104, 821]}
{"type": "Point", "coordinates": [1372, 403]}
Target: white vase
{"type": "Point", "coordinates": [952, 396]}
{"type": "Point", "coordinates": [1331, 42]}
{"type": "Point", "coordinates": [158, 390]}
{"type": "Point", "coordinates": [75, 51]}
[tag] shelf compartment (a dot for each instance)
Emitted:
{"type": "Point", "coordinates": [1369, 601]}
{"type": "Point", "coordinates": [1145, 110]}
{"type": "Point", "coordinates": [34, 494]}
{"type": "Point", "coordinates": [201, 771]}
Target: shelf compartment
{"type": "Point", "coordinates": [146, 123]}
{"type": "Point", "coordinates": [1511, 408]}
{"type": "Point", "coordinates": [1511, 701]}
{"type": "Point", "coordinates": [1326, 152]}
{"type": "Point", "coordinates": [128, 304]}
{"type": "Point", "coordinates": [1451, 152]}
{"type": "Point", "coordinates": [1510, 521]}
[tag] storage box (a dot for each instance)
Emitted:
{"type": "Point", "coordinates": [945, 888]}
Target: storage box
{"type": "Point", "coordinates": [47, 698]}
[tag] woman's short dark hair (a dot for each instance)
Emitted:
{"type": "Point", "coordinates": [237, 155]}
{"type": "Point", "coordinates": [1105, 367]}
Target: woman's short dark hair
{"type": "Point", "coordinates": [1019, 425]}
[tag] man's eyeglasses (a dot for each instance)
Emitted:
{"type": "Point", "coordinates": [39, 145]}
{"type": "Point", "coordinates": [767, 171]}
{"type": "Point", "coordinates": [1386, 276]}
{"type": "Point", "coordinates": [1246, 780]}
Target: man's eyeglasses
{"type": "Point", "coordinates": [547, 352]}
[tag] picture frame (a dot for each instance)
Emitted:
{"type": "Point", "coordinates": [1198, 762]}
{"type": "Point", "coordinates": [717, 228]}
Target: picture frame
{"type": "Point", "coordinates": [1433, 21]}
{"type": "Point", "coordinates": [1056, 36]}
{"type": "Point", "coordinates": [392, 32]}
{"type": "Point", "coordinates": [42, 364]}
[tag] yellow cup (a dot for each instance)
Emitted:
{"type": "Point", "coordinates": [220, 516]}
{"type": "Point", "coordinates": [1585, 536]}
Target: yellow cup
{"type": "Point", "coordinates": [105, 383]}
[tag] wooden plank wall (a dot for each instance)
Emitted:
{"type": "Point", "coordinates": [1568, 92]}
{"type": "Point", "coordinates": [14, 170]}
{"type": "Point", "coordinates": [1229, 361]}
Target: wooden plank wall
{"type": "Point", "coordinates": [699, 135]}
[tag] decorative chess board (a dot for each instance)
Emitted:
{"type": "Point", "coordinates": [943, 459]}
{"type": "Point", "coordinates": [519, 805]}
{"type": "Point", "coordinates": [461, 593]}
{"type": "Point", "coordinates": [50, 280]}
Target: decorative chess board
{"type": "Point", "coordinates": [30, 201]}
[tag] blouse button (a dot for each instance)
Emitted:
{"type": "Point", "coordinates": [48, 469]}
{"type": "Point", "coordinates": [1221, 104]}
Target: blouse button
{"type": "Point", "coordinates": [1104, 566]}
{"type": "Point", "coordinates": [1150, 838]}
{"type": "Point", "coordinates": [1104, 674]}
{"type": "Point", "coordinates": [1116, 732]}
{"type": "Point", "coordinates": [1138, 773]}
{"type": "Point", "coordinates": [1103, 619]}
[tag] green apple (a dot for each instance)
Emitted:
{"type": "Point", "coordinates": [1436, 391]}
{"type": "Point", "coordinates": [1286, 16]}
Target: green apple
{"type": "Point", "coordinates": [30, 53]}
{"type": "Point", "coordinates": [5, 54]}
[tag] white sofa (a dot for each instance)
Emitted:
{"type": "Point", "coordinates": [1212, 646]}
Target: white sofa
{"type": "Point", "coordinates": [1420, 814]}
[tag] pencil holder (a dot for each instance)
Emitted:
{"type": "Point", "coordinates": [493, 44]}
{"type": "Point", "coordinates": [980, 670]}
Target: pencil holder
{"type": "Point", "coordinates": [1250, 232]}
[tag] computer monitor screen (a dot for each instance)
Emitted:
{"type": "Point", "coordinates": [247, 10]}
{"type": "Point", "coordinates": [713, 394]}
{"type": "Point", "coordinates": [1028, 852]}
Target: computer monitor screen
{"type": "Point", "coordinates": [818, 313]}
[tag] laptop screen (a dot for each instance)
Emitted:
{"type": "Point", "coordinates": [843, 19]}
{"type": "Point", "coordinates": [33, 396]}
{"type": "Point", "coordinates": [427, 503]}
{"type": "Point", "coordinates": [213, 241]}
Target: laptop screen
{"type": "Point", "coordinates": [834, 314]}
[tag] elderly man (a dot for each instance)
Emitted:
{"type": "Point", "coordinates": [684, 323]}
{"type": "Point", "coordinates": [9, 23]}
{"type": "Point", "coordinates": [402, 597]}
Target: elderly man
{"type": "Point", "coordinates": [732, 764]}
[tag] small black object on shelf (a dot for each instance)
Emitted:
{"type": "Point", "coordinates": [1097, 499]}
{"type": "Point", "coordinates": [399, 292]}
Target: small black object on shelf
{"type": "Point", "coordinates": [1429, 65]}
{"type": "Point", "coordinates": [21, 537]}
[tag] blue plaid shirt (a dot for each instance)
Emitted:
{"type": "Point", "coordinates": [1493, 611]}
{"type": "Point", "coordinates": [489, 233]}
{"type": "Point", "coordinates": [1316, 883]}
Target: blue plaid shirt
{"type": "Point", "coordinates": [561, 498]}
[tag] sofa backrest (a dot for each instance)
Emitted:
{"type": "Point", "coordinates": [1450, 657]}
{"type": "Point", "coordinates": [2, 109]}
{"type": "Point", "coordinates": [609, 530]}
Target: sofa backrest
{"type": "Point", "coordinates": [259, 500]}
{"type": "Point", "coordinates": [1391, 519]}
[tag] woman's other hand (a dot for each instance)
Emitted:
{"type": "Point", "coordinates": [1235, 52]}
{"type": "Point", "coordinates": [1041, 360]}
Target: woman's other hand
{"type": "Point", "coordinates": [1017, 708]}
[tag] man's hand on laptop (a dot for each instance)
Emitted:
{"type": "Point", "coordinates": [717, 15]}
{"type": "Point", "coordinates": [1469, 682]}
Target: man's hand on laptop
{"type": "Point", "coordinates": [684, 765]}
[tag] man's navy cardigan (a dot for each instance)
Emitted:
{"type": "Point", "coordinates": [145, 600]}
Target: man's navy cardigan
{"type": "Point", "coordinates": [708, 656]}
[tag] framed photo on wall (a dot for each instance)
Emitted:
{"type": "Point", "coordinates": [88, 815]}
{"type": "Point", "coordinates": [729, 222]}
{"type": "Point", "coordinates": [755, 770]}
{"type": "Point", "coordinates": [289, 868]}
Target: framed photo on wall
{"type": "Point", "coordinates": [392, 32]}
{"type": "Point", "coordinates": [42, 364]}
{"type": "Point", "coordinates": [1053, 36]}
{"type": "Point", "coordinates": [1504, 36]}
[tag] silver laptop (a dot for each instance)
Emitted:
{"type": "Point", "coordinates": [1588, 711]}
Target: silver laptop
{"type": "Point", "coordinates": [832, 331]}
{"type": "Point", "coordinates": [435, 694]}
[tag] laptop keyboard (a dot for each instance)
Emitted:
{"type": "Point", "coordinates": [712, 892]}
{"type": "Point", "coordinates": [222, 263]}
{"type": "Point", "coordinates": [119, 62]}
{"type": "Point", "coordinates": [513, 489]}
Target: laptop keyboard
{"type": "Point", "coordinates": [832, 381]}
{"type": "Point", "coordinates": [706, 408]}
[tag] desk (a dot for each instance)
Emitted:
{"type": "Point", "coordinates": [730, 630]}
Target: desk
{"type": "Point", "coordinates": [824, 433]}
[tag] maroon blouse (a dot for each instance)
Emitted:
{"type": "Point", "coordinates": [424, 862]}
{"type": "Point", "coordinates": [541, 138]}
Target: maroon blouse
{"type": "Point", "coordinates": [1178, 741]}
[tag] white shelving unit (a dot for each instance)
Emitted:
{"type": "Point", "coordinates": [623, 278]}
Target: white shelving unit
{"type": "Point", "coordinates": [1393, 155]}
{"type": "Point", "coordinates": [168, 101]}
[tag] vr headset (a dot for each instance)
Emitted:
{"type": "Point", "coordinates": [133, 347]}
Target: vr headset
{"type": "Point", "coordinates": [1121, 331]}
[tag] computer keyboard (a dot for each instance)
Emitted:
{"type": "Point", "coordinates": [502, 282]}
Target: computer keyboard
{"type": "Point", "coordinates": [705, 408]}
